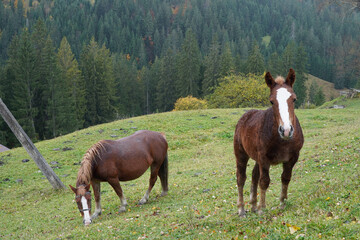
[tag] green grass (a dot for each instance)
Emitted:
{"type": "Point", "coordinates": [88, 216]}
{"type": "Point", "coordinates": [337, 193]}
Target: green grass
{"type": "Point", "coordinates": [201, 204]}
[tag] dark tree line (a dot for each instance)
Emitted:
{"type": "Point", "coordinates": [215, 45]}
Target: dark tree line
{"type": "Point", "coordinates": [66, 65]}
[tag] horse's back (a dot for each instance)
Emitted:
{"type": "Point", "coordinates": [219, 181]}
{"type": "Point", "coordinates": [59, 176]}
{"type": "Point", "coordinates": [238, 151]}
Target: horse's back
{"type": "Point", "coordinates": [131, 156]}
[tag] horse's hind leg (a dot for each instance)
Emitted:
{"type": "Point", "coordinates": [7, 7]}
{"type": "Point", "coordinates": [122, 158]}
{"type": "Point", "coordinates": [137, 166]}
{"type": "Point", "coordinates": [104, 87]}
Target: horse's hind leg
{"type": "Point", "coordinates": [114, 182]}
{"type": "Point", "coordinates": [96, 188]}
{"type": "Point", "coordinates": [241, 164]}
{"type": "Point", "coordinates": [285, 179]}
{"type": "Point", "coordinates": [163, 174]}
{"type": "Point", "coordinates": [152, 180]}
{"type": "Point", "coordinates": [254, 186]}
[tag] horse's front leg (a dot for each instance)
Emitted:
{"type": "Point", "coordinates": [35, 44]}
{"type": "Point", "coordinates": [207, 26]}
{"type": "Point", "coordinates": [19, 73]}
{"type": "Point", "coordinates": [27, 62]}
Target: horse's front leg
{"type": "Point", "coordinates": [114, 182]}
{"type": "Point", "coordinates": [241, 164]}
{"type": "Point", "coordinates": [264, 184]}
{"type": "Point", "coordinates": [96, 187]}
{"type": "Point", "coordinates": [152, 180]}
{"type": "Point", "coordinates": [285, 179]}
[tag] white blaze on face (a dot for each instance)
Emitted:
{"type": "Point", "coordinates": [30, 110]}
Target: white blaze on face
{"type": "Point", "coordinates": [87, 219]}
{"type": "Point", "coordinates": [282, 96]}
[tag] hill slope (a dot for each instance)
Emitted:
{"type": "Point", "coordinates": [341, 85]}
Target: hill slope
{"type": "Point", "coordinates": [323, 194]}
{"type": "Point", "coordinates": [328, 88]}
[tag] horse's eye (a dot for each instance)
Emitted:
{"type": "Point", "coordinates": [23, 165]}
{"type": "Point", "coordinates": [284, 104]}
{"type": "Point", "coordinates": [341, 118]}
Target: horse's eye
{"type": "Point", "coordinates": [271, 102]}
{"type": "Point", "coordinates": [294, 100]}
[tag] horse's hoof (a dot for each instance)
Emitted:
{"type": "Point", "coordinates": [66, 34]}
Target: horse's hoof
{"type": "Point", "coordinates": [260, 212]}
{"type": "Point", "coordinates": [142, 202]}
{"type": "Point", "coordinates": [163, 194]}
{"type": "Point", "coordinates": [122, 209]}
{"type": "Point", "coordinates": [242, 214]}
{"type": "Point", "coordinates": [95, 215]}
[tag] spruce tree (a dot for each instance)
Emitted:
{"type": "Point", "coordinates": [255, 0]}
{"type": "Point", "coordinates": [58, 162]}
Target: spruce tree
{"type": "Point", "coordinates": [74, 88]}
{"type": "Point", "coordinates": [226, 61]}
{"type": "Point", "coordinates": [212, 71]}
{"type": "Point", "coordinates": [165, 89]}
{"type": "Point", "coordinates": [98, 74]}
{"type": "Point", "coordinates": [21, 67]}
{"type": "Point", "coordinates": [255, 62]}
{"type": "Point", "coordinates": [188, 66]}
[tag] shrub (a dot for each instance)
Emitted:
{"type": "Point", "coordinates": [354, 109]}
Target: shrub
{"type": "Point", "coordinates": [189, 103]}
{"type": "Point", "coordinates": [240, 91]}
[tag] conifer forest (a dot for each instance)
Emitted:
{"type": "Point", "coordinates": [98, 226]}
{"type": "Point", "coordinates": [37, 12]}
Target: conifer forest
{"type": "Point", "coordinates": [70, 64]}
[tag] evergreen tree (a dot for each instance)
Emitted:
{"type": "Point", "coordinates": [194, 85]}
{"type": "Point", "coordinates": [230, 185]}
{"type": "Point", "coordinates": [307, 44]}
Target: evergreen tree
{"type": "Point", "coordinates": [54, 92]}
{"type": "Point", "coordinates": [74, 88]}
{"type": "Point", "coordinates": [21, 67]}
{"type": "Point", "coordinates": [129, 88]}
{"type": "Point", "coordinates": [97, 69]}
{"type": "Point", "coordinates": [188, 66]}
{"type": "Point", "coordinates": [226, 61]}
{"type": "Point", "coordinates": [41, 96]}
{"type": "Point", "coordinates": [255, 63]}
{"type": "Point", "coordinates": [312, 92]}
{"type": "Point", "coordinates": [165, 89]}
{"type": "Point", "coordinates": [212, 71]}
{"type": "Point", "coordinates": [274, 64]}
{"type": "Point", "coordinates": [319, 97]}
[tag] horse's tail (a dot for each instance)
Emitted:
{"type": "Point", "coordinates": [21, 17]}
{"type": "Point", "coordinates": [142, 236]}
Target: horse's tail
{"type": "Point", "coordinates": [163, 174]}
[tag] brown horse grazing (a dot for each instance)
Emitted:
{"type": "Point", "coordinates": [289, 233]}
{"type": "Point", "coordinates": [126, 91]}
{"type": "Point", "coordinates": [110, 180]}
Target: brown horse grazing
{"type": "Point", "coordinates": [121, 160]}
{"type": "Point", "coordinates": [269, 137]}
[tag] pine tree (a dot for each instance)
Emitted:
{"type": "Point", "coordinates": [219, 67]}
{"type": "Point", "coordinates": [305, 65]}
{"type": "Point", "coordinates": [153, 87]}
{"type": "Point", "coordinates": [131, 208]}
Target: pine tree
{"type": "Point", "coordinates": [255, 63]}
{"type": "Point", "coordinates": [188, 66]}
{"type": "Point", "coordinates": [97, 70]}
{"type": "Point", "coordinates": [226, 61]}
{"type": "Point", "coordinates": [274, 64]}
{"type": "Point", "coordinates": [21, 67]}
{"type": "Point", "coordinates": [166, 97]}
{"type": "Point", "coordinates": [129, 88]}
{"type": "Point", "coordinates": [211, 64]}
{"type": "Point", "coordinates": [319, 97]}
{"type": "Point", "coordinates": [74, 88]}
{"type": "Point", "coordinates": [39, 37]}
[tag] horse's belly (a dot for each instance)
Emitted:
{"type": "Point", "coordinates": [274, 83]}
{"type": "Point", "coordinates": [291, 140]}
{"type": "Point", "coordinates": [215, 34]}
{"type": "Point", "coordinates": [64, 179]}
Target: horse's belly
{"type": "Point", "coordinates": [279, 158]}
{"type": "Point", "coordinates": [132, 173]}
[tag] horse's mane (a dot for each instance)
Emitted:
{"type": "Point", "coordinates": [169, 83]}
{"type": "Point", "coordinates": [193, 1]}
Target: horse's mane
{"type": "Point", "coordinates": [88, 162]}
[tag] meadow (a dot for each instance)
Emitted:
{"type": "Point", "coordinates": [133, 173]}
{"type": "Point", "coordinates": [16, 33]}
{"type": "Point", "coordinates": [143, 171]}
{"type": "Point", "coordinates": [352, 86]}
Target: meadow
{"type": "Point", "coordinates": [323, 199]}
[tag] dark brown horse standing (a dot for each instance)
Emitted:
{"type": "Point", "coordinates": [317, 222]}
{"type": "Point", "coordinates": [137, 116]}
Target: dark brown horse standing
{"type": "Point", "coordinates": [121, 160]}
{"type": "Point", "coordinates": [269, 137]}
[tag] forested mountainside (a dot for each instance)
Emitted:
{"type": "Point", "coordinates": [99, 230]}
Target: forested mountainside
{"type": "Point", "coordinates": [70, 64]}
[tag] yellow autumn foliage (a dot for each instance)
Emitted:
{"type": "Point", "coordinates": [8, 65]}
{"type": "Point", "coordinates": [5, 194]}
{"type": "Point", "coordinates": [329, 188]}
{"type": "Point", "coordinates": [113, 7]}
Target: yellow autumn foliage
{"type": "Point", "coordinates": [190, 103]}
{"type": "Point", "coordinates": [240, 91]}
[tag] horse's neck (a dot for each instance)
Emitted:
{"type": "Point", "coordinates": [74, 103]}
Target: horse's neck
{"type": "Point", "coordinates": [85, 172]}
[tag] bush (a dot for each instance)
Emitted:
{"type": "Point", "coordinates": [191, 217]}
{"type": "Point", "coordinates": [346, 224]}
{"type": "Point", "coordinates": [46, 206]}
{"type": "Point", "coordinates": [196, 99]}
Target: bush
{"type": "Point", "coordinates": [190, 103]}
{"type": "Point", "coordinates": [240, 91]}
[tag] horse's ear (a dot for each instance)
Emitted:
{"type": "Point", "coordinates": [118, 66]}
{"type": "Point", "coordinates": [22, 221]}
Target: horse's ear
{"type": "Point", "coordinates": [269, 80]}
{"type": "Point", "coordinates": [290, 79]}
{"type": "Point", "coordinates": [87, 187]}
{"type": "Point", "coordinates": [73, 189]}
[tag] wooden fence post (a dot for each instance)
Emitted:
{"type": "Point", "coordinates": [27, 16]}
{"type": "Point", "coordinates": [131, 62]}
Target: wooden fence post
{"type": "Point", "coordinates": [30, 147]}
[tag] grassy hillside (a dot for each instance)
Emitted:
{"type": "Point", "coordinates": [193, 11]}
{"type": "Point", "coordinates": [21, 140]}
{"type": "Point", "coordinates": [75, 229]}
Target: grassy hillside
{"type": "Point", "coordinates": [201, 204]}
{"type": "Point", "coordinates": [328, 88]}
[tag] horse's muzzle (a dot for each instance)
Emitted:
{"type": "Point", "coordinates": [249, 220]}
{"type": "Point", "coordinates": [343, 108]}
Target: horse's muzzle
{"type": "Point", "coordinates": [286, 134]}
{"type": "Point", "coordinates": [87, 223]}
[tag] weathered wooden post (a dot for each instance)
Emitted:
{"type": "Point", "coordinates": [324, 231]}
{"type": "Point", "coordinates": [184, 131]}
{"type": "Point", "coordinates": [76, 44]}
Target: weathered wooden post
{"type": "Point", "coordinates": [30, 147]}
